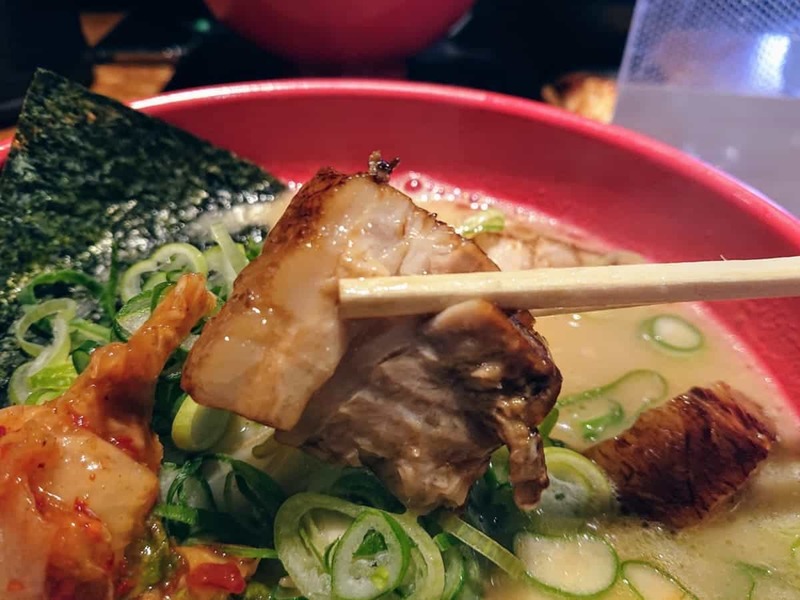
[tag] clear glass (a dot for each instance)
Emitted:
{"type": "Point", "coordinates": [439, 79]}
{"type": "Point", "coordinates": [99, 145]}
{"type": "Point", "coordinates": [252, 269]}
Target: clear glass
{"type": "Point", "coordinates": [719, 79]}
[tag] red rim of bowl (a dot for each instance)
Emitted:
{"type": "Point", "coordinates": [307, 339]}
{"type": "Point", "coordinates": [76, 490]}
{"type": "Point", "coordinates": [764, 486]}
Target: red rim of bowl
{"type": "Point", "coordinates": [742, 196]}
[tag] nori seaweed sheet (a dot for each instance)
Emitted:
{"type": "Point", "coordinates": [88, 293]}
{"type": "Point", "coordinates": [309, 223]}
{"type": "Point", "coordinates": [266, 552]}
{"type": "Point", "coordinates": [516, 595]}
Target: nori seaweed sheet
{"type": "Point", "coordinates": [85, 170]}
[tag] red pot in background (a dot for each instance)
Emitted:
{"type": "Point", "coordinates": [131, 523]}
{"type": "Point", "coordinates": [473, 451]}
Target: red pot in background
{"type": "Point", "coordinates": [341, 32]}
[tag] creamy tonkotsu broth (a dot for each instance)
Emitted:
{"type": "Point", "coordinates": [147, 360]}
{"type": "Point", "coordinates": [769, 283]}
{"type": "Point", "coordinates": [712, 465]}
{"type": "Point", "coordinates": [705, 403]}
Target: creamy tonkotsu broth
{"type": "Point", "coordinates": [750, 550]}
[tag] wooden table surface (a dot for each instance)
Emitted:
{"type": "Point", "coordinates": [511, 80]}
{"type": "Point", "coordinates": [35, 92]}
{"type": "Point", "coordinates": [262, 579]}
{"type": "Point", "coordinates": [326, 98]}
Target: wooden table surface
{"type": "Point", "coordinates": [123, 82]}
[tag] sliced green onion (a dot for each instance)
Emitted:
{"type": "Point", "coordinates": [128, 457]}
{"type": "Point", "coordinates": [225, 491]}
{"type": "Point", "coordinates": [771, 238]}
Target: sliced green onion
{"type": "Point", "coordinates": [301, 559]}
{"type": "Point", "coordinates": [595, 428]}
{"type": "Point", "coordinates": [425, 579]}
{"type": "Point", "coordinates": [159, 291]}
{"type": "Point", "coordinates": [196, 428]}
{"type": "Point", "coordinates": [327, 558]}
{"type": "Point", "coordinates": [371, 558]}
{"type": "Point", "coordinates": [568, 466]}
{"type": "Point", "coordinates": [42, 396]}
{"type": "Point", "coordinates": [255, 444]}
{"type": "Point", "coordinates": [108, 297]}
{"type": "Point", "coordinates": [65, 276]}
{"type": "Point", "coordinates": [82, 355]}
{"type": "Point", "coordinates": [200, 521]}
{"type": "Point", "coordinates": [256, 590]}
{"type": "Point", "coordinates": [578, 489]}
{"type": "Point", "coordinates": [170, 257]}
{"type": "Point", "coordinates": [444, 541]}
{"type": "Point", "coordinates": [285, 593]}
{"type": "Point", "coordinates": [651, 583]}
{"type": "Point", "coordinates": [482, 544]}
{"type": "Point", "coordinates": [216, 268]}
{"type": "Point", "coordinates": [57, 352]}
{"type": "Point", "coordinates": [486, 221]}
{"type": "Point", "coordinates": [767, 582]}
{"type": "Point", "coordinates": [672, 332]}
{"type": "Point", "coordinates": [233, 255]}
{"type": "Point", "coordinates": [151, 559]}
{"type": "Point", "coordinates": [322, 540]}
{"type": "Point", "coordinates": [633, 387]}
{"type": "Point", "coordinates": [54, 377]}
{"type": "Point", "coordinates": [362, 487]}
{"type": "Point", "coordinates": [546, 426]}
{"type": "Point", "coordinates": [131, 281]}
{"type": "Point", "coordinates": [603, 412]}
{"type": "Point", "coordinates": [84, 330]}
{"type": "Point", "coordinates": [177, 512]}
{"type": "Point", "coordinates": [133, 314]}
{"type": "Point", "coordinates": [474, 578]}
{"type": "Point", "coordinates": [256, 501]}
{"type": "Point", "coordinates": [307, 569]}
{"type": "Point", "coordinates": [498, 467]}
{"type": "Point", "coordinates": [153, 280]}
{"type": "Point", "coordinates": [755, 575]}
{"type": "Point", "coordinates": [251, 501]}
{"type": "Point", "coordinates": [454, 572]}
{"type": "Point", "coordinates": [190, 488]}
{"type": "Point", "coordinates": [246, 551]}
{"type": "Point", "coordinates": [65, 307]}
{"type": "Point", "coordinates": [752, 589]}
{"type": "Point", "coordinates": [18, 388]}
{"type": "Point", "coordinates": [578, 565]}
{"type": "Point", "coordinates": [252, 248]}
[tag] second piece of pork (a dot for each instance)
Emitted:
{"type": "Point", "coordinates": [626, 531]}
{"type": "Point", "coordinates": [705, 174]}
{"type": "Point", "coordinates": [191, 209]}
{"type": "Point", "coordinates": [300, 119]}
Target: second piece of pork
{"type": "Point", "coordinates": [422, 401]}
{"type": "Point", "coordinates": [682, 460]}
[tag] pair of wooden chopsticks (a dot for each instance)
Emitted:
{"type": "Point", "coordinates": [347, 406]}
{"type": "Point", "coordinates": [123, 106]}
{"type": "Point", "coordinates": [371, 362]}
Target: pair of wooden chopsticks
{"type": "Point", "coordinates": [579, 289]}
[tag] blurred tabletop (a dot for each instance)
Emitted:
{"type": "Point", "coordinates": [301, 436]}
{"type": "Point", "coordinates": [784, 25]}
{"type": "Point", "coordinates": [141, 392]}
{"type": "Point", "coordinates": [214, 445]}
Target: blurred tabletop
{"type": "Point", "coordinates": [123, 82]}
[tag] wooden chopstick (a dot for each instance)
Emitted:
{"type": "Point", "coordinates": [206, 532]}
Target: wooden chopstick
{"type": "Point", "coordinates": [578, 289]}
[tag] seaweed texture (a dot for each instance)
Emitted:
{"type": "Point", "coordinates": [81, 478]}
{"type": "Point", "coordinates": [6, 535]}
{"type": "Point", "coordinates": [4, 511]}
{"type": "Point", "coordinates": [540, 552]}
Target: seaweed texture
{"type": "Point", "coordinates": [86, 172]}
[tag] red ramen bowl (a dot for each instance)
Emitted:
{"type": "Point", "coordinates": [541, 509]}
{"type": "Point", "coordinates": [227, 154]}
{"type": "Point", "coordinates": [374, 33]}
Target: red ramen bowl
{"type": "Point", "coordinates": [340, 32]}
{"type": "Point", "coordinates": [625, 189]}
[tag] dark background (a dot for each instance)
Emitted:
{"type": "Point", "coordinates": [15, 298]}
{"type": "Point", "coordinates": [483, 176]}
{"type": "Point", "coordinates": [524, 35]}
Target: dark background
{"type": "Point", "coordinates": [511, 46]}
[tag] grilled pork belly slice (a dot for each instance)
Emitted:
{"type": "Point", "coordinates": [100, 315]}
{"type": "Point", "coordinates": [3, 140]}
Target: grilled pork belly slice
{"type": "Point", "coordinates": [683, 459]}
{"type": "Point", "coordinates": [424, 404]}
{"type": "Point", "coordinates": [422, 401]}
